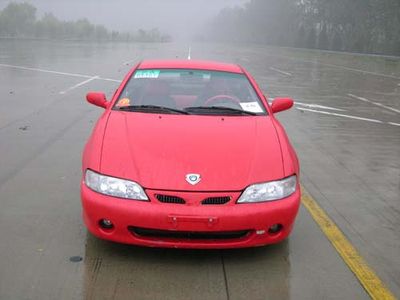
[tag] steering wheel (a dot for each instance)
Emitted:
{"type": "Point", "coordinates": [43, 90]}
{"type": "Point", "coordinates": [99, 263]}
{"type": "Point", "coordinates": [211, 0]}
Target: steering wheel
{"type": "Point", "coordinates": [216, 98]}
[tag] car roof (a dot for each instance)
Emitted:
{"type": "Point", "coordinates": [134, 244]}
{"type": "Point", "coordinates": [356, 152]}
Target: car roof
{"type": "Point", "coordinates": [190, 64]}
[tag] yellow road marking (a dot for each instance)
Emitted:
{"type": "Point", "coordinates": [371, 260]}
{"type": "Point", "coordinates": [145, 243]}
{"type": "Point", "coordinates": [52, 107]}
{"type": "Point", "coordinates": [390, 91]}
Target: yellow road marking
{"type": "Point", "coordinates": [367, 277]}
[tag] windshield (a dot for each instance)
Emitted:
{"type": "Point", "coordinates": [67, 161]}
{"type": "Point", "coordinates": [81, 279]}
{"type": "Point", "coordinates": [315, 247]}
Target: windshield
{"type": "Point", "coordinates": [190, 92]}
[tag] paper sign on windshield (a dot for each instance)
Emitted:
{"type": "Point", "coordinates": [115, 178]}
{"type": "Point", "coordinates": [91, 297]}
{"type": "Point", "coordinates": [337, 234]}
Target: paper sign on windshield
{"type": "Point", "coordinates": [251, 107]}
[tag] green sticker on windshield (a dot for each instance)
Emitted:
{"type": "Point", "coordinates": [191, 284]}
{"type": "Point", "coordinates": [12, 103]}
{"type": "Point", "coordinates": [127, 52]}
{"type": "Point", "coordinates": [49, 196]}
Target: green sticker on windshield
{"type": "Point", "coordinates": [147, 74]}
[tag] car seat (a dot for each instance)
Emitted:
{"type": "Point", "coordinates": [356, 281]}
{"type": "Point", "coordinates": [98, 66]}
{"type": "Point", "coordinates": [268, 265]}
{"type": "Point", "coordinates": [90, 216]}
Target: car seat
{"type": "Point", "coordinates": [157, 92]}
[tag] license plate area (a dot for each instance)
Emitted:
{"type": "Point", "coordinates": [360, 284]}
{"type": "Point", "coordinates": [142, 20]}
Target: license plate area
{"type": "Point", "coordinates": [175, 220]}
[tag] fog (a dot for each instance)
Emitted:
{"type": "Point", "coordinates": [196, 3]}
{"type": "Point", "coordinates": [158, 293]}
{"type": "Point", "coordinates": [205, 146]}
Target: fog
{"type": "Point", "coordinates": [342, 25]}
{"type": "Point", "coordinates": [179, 18]}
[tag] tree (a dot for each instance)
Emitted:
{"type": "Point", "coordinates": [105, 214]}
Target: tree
{"type": "Point", "coordinates": [84, 30]}
{"type": "Point", "coordinates": [337, 43]}
{"type": "Point", "coordinates": [301, 37]}
{"type": "Point", "coordinates": [49, 27]}
{"type": "Point", "coordinates": [101, 33]}
{"type": "Point", "coordinates": [351, 25]}
{"type": "Point", "coordinates": [17, 19]}
{"type": "Point", "coordinates": [323, 42]}
{"type": "Point", "coordinates": [311, 38]}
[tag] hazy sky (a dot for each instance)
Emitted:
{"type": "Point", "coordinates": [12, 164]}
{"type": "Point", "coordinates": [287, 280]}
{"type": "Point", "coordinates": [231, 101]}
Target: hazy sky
{"type": "Point", "coordinates": [181, 18]}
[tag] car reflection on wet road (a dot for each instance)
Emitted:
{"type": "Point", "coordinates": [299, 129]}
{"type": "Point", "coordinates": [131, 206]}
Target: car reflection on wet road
{"type": "Point", "coordinates": [345, 127]}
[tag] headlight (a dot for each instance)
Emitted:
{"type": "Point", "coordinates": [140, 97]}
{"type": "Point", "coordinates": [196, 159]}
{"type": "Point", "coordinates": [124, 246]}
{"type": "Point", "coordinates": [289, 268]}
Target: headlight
{"type": "Point", "coordinates": [114, 186]}
{"type": "Point", "coordinates": [269, 191]}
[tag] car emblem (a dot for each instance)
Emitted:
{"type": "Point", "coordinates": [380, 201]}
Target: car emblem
{"type": "Point", "coordinates": [193, 178]}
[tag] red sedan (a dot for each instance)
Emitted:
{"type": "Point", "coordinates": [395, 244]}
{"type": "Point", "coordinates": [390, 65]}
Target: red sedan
{"type": "Point", "coordinates": [188, 154]}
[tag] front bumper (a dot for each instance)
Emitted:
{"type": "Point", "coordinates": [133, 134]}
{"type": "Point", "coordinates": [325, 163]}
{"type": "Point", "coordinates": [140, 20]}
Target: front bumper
{"type": "Point", "coordinates": [190, 225]}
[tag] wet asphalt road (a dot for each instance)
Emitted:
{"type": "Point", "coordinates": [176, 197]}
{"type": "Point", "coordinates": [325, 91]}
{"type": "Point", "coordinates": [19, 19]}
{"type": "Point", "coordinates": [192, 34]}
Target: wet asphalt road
{"type": "Point", "coordinates": [345, 128]}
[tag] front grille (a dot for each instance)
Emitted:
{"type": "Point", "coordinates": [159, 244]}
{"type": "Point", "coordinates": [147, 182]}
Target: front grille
{"type": "Point", "coordinates": [170, 199]}
{"type": "Point", "coordinates": [216, 200]}
{"type": "Point", "coordinates": [188, 235]}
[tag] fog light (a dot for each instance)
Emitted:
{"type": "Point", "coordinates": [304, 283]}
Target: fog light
{"type": "Point", "coordinates": [274, 229]}
{"type": "Point", "coordinates": [106, 224]}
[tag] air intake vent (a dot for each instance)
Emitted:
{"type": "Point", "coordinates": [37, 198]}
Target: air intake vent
{"type": "Point", "coordinates": [170, 199]}
{"type": "Point", "coordinates": [188, 235]}
{"type": "Point", "coordinates": [216, 200]}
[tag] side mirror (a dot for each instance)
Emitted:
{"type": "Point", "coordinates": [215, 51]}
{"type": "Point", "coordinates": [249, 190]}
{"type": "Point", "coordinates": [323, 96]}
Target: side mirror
{"type": "Point", "coordinates": [280, 104]}
{"type": "Point", "coordinates": [98, 99]}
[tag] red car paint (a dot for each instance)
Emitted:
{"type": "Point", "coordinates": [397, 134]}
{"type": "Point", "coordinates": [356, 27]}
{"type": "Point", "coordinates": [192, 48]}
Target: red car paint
{"type": "Point", "coordinates": [159, 150]}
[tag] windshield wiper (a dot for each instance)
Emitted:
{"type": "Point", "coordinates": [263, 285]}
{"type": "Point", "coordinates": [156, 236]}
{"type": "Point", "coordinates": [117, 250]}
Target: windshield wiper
{"type": "Point", "coordinates": [152, 109]}
{"type": "Point", "coordinates": [215, 110]}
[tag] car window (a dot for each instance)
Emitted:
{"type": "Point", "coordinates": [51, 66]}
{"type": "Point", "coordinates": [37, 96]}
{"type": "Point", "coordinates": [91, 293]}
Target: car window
{"type": "Point", "coordinates": [191, 90]}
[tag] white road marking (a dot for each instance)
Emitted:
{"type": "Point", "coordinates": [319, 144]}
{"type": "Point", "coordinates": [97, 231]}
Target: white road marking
{"type": "Point", "coordinates": [374, 103]}
{"type": "Point", "coordinates": [361, 71]}
{"type": "Point", "coordinates": [285, 86]}
{"type": "Point", "coordinates": [57, 72]}
{"type": "Point", "coordinates": [348, 116]}
{"type": "Point", "coordinates": [78, 85]}
{"type": "Point", "coordinates": [339, 115]}
{"type": "Point", "coordinates": [45, 71]}
{"type": "Point", "coordinates": [280, 71]}
{"type": "Point", "coordinates": [310, 105]}
{"type": "Point", "coordinates": [337, 66]}
{"type": "Point", "coordinates": [109, 79]}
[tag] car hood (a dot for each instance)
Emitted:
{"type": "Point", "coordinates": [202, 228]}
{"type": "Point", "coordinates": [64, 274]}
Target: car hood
{"type": "Point", "coordinates": [159, 150]}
